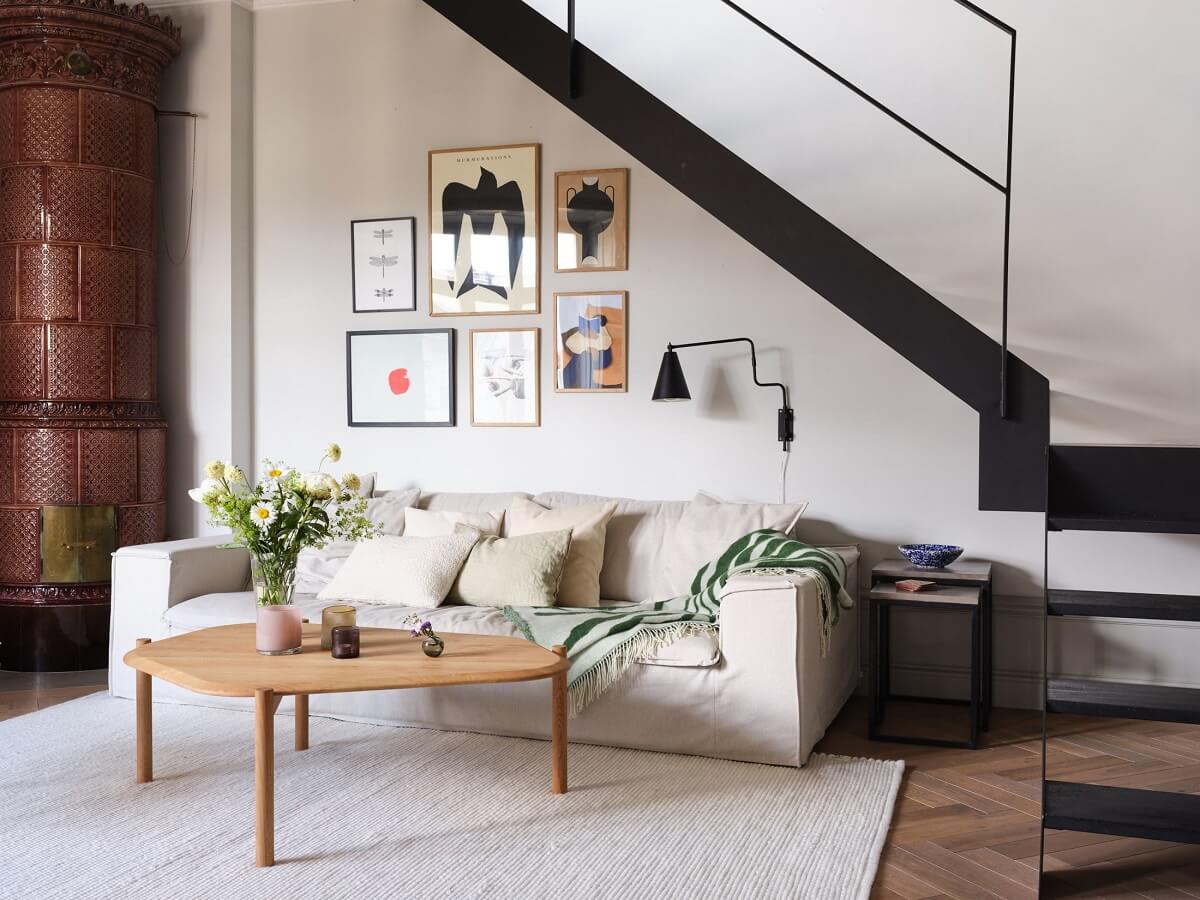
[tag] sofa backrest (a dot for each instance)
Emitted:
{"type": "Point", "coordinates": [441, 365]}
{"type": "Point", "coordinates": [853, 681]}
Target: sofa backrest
{"type": "Point", "coordinates": [650, 547]}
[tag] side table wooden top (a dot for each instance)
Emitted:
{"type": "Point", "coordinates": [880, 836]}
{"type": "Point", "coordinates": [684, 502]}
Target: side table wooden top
{"type": "Point", "coordinates": [222, 661]}
{"type": "Point", "coordinates": [976, 571]}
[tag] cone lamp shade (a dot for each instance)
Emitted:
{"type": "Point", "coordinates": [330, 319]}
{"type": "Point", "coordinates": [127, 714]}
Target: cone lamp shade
{"type": "Point", "coordinates": [671, 384]}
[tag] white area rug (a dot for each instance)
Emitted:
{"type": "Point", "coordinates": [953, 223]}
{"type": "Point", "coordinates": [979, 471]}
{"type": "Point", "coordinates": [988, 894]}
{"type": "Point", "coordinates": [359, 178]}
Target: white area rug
{"type": "Point", "coordinates": [373, 811]}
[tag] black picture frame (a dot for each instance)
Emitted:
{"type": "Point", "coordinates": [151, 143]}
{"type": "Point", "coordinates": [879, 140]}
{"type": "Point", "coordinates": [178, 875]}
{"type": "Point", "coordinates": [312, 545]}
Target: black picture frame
{"type": "Point", "coordinates": [354, 306]}
{"type": "Point", "coordinates": [451, 339]}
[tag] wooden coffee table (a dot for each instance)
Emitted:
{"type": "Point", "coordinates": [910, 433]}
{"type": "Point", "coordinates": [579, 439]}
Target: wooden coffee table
{"type": "Point", "coordinates": [221, 661]}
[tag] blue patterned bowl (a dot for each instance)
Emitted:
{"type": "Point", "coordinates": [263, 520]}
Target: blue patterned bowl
{"type": "Point", "coordinates": [931, 556]}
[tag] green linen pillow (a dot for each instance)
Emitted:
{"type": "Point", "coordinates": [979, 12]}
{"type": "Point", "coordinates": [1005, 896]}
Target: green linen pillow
{"type": "Point", "coordinates": [514, 571]}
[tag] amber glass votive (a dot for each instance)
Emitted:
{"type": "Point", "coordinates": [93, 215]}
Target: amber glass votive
{"type": "Point", "coordinates": [333, 616]}
{"type": "Point", "coordinates": [344, 642]}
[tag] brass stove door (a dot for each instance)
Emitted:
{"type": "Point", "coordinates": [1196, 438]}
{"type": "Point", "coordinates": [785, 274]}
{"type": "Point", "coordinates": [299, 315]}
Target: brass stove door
{"type": "Point", "coordinates": [78, 543]}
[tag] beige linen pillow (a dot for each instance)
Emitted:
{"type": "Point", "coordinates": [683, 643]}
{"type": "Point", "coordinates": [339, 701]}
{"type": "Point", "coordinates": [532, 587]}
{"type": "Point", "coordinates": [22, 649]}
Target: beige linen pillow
{"type": "Point", "coordinates": [709, 526]}
{"type": "Point", "coordinates": [580, 585]}
{"type": "Point", "coordinates": [513, 571]}
{"type": "Point", "coordinates": [387, 512]}
{"type": "Point", "coordinates": [403, 571]}
{"type": "Point", "coordinates": [423, 523]}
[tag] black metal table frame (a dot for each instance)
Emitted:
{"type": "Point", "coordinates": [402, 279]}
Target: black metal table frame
{"type": "Point", "coordinates": [879, 649]}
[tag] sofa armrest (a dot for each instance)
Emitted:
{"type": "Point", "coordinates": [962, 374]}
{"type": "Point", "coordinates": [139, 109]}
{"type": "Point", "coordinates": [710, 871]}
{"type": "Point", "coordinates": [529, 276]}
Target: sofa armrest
{"type": "Point", "coordinates": [774, 669]}
{"type": "Point", "coordinates": [148, 579]}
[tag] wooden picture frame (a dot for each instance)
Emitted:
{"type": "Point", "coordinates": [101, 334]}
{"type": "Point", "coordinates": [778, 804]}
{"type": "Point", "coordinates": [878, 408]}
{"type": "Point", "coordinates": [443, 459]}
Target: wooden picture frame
{"type": "Point", "coordinates": [591, 220]}
{"type": "Point", "coordinates": [508, 283]}
{"type": "Point", "coordinates": [505, 392]}
{"type": "Point", "coordinates": [600, 362]}
{"type": "Point", "coordinates": [377, 376]}
{"type": "Point", "coordinates": [365, 282]}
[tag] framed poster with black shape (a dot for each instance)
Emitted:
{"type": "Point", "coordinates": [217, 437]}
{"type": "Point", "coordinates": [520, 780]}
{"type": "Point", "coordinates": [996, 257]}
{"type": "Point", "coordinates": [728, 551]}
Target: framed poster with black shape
{"type": "Point", "coordinates": [483, 231]}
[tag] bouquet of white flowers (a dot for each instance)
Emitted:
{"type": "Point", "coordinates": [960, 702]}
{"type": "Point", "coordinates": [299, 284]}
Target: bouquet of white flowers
{"type": "Point", "coordinates": [285, 512]}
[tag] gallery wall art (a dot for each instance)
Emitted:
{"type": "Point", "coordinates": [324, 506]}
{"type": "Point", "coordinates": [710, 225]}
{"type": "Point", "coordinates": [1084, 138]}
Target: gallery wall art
{"type": "Point", "coordinates": [383, 273]}
{"type": "Point", "coordinates": [400, 378]}
{"type": "Point", "coordinates": [483, 230]}
{"type": "Point", "coordinates": [591, 220]}
{"type": "Point", "coordinates": [591, 342]}
{"type": "Point", "coordinates": [505, 376]}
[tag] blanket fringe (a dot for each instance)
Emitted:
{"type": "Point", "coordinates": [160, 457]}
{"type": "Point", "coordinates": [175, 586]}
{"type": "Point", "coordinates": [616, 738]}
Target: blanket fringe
{"type": "Point", "coordinates": [649, 639]}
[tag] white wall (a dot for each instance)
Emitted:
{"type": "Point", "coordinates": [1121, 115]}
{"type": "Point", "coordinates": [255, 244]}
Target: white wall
{"type": "Point", "coordinates": [349, 97]}
{"type": "Point", "coordinates": [204, 295]}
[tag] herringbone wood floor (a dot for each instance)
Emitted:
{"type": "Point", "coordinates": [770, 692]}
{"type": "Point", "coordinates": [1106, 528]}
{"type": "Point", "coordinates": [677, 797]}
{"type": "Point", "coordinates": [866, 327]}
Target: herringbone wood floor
{"type": "Point", "coordinates": [966, 821]}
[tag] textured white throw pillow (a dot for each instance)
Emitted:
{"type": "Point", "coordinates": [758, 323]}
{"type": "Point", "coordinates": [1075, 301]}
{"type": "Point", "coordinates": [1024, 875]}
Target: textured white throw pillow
{"type": "Point", "coordinates": [424, 523]}
{"type": "Point", "coordinates": [709, 526]}
{"type": "Point", "coordinates": [402, 571]}
{"type": "Point", "coordinates": [588, 523]}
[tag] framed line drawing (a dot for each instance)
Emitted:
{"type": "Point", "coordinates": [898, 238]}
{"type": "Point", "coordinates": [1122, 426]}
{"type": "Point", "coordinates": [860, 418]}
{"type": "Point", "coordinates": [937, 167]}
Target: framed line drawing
{"type": "Point", "coordinates": [383, 264]}
{"type": "Point", "coordinates": [484, 244]}
{"type": "Point", "coordinates": [505, 377]}
{"type": "Point", "coordinates": [591, 215]}
{"type": "Point", "coordinates": [400, 378]}
{"type": "Point", "coordinates": [591, 342]}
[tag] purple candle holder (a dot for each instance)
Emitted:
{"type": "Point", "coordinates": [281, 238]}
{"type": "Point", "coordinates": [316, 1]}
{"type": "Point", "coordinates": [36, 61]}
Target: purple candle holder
{"type": "Point", "coordinates": [344, 642]}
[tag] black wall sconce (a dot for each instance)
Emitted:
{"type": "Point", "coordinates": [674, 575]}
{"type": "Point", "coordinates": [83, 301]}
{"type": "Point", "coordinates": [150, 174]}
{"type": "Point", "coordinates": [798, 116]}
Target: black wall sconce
{"type": "Point", "coordinates": [671, 384]}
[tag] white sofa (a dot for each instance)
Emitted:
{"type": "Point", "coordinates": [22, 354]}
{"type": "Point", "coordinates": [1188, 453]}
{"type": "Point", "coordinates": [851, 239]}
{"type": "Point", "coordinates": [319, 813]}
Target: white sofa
{"type": "Point", "coordinates": [761, 692]}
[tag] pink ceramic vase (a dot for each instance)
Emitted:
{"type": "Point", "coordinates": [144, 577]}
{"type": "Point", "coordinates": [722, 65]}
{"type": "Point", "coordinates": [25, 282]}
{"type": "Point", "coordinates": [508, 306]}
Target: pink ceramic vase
{"type": "Point", "coordinates": [277, 630]}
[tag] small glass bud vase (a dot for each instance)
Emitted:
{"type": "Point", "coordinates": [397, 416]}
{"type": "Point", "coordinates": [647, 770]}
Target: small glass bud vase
{"type": "Point", "coordinates": [433, 646]}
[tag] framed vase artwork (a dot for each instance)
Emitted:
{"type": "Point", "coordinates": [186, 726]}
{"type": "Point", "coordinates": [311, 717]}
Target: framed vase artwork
{"type": "Point", "coordinates": [400, 378]}
{"type": "Point", "coordinates": [591, 353]}
{"type": "Point", "coordinates": [591, 232]}
{"type": "Point", "coordinates": [383, 271]}
{"type": "Point", "coordinates": [484, 241]}
{"type": "Point", "coordinates": [505, 376]}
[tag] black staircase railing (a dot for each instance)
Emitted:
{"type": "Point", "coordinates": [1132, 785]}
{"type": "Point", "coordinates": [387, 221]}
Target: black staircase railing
{"type": "Point", "coordinates": [914, 323]}
{"type": "Point", "coordinates": [1004, 188]}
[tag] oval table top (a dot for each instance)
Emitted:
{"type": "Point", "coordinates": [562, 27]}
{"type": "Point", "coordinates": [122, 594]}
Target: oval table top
{"type": "Point", "coordinates": [222, 661]}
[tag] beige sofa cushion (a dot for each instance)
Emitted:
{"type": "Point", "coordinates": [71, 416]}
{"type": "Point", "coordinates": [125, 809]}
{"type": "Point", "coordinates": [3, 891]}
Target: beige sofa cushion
{"type": "Point", "coordinates": [425, 523]}
{"type": "Point", "coordinates": [708, 527]}
{"type": "Point", "coordinates": [516, 571]}
{"type": "Point", "coordinates": [636, 545]}
{"type": "Point", "coordinates": [580, 585]}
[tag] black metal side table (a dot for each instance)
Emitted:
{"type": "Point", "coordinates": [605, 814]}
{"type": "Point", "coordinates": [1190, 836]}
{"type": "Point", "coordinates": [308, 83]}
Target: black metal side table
{"type": "Point", "coordinates": [964, 587]}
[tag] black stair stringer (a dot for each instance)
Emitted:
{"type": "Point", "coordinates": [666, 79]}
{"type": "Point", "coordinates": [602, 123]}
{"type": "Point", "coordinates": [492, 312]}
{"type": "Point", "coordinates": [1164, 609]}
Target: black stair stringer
{"type": "Point", "coordinates": [948, 348]}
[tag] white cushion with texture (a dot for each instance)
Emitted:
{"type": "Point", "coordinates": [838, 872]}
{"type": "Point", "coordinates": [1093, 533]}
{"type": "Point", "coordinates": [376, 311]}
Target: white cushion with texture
{"type": "Point", "coordinates": [400, 570]}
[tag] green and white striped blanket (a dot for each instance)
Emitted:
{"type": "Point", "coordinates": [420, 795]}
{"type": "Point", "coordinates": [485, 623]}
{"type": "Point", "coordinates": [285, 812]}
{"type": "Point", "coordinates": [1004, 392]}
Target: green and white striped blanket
{"type": "Point", "coordinates": [603, 643]}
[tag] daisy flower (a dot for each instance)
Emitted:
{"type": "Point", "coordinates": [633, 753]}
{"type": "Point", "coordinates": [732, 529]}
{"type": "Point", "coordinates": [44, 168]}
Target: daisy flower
{"type": "Point", "coordinates": [262, 515]}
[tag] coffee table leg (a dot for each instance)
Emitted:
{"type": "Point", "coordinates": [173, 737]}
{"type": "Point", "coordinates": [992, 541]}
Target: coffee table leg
{"type": "Point", "coordinates": [145, 729]}
{"type": "Point", "coordinates": [302, 721]}
{"type": "Point", "coordinates": [558, 726]}
{"type": "Point", "coordinates": [264, 777]}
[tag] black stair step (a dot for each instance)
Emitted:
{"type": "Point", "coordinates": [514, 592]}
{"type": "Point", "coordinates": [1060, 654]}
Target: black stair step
{"type": "Point", "coordinates": [1124, 488]}
{"type": "Point", "coordinates": [1125, 812]}
{"type": "Point", "coordinates": [1124, 605]}
{"type": "Point", "coordinates": [1143, 524]}
{"type": "Point", "coordinates": [1123, 701]}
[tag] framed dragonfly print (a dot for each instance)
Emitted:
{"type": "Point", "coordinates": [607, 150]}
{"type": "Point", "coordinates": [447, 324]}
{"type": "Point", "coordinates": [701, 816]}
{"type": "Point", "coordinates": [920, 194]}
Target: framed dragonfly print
{"type": "Point", "coordinates": [383, 274]}
{"type": "Point", "coordinates": [505, 376]}
{"type": "Point", "coordinates": [483, 231]}
{"type": "Point", "coordinates": [400, 378]}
